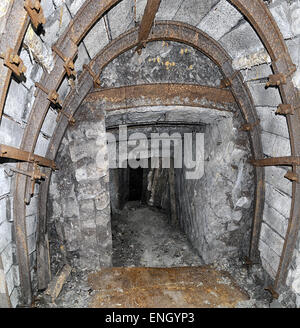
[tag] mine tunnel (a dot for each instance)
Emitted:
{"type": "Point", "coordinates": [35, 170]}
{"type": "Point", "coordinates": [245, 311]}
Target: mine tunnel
{"type": "Point", "coordinates": [149, 153]}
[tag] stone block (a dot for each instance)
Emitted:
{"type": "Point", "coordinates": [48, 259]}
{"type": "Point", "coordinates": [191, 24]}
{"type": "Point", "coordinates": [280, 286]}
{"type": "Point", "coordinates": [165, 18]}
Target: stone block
{"type": "Point", "coordinates": [7, 258]}
{"type": "Point", "coordinates": [275, 176]}
{"type": "Point", "coordinates": [16, 100]}
{"type": "Point", "coordinates": [278, 200]}
{"type": "Point", "coordinates": [262, 96]}
{"type": "Point", "coordinates": [41, 146]}
{"type": "Point", "coordinates": [31, 224]}
{"type": "Point", "coordinates": [96, 39]}
{"type": "Point", "coordinates": [281, 14]}
{"type": "Point", "coordinates": [216, 22]}
{"type": "Point", "coordinates": [272, 239]}
{"type": "Point", "coordinates": [11, 132]}
{"type": "Point", "coordinates": [120, 18]}
{"type": "Point", "coordinates": [241, 41]}
{"type": "Point", "coordinates": [5, 235]}
{"type": "Point", "coordinates": [193, 11]}
{"type": "Point", "coordinates": [275, 220]}
{"type": "Point", "coordinates": [272, 123]}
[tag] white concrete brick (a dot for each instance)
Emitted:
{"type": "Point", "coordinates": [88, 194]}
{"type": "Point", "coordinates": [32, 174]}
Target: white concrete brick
{"type": "Point", "coordinates": [168, 9]}
{"type": "Point", "coordinates": [16, 100]}
{"type": "Point", "coordinates": [272, 239]}
{"type": "Point", "coordinates": [2, 210]}
{"type": "Point", "coordinates": [5, 235]}
{"type": "Point", "coordinates": [11, 133]}
{"type": "Point", "coordinates": [7, 259]}
{"type": "Point", "coordinates": [96, 39]}
{"type": "Point", "coordinates": [263, 96]}
{"type": "Point", "coordinates": [41, 146]}
{"type": "Point", "coordinates": [270, 122]}
{"type": "Point", "coordinates": [277, 200]}
{"type": "Point", "coordinates": [10, 281]}
{"type": "Point", "coordinates": [275, 220]}
{"type": "Point", "coordinates": [216, 22]}
{"type": "Point", "coordinates": [241, 41]}
{"type": "Point", "coordinates": [281, 14]}
{"type": "Point", "coordinates": [275, 176]}
{"type": "Point", "coordinates": [31, 224]}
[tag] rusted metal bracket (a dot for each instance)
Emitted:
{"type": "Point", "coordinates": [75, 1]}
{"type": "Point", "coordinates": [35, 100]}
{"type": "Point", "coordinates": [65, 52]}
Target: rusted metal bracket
{"type": "Point", "coordinates": [276, 80]}
{"type": "Point", "coordinates": [227, 82]}
{"type": "Point", "coordinates": [25, 156]}
{"type": "Point", "coordinates": [13, 62]}
{"type": "Point", "coordinates": [68, 65]}
{"type": "Point", "coordinates": [35, 12]}
{"type": "Point", "coordinates": [35, 175]}
{"type": "Point", "coordinates": [286, 109]}
{"type": "Point", "coordinates": [96, 79]}
{"type": "Point", "coordinates": [53, 96]}
{"type": "Point", "coordinates": [292, 176]}
{"type": "Point", "coordinates": [21, 155]}
{"type": "Point", "coordinates": [249, 126]}
{"type": "Point", "coordinates": [71, 119]}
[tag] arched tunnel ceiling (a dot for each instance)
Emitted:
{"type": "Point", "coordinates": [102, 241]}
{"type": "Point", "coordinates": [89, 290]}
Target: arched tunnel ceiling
{"type": "Point", "coordinates": [238, 35]}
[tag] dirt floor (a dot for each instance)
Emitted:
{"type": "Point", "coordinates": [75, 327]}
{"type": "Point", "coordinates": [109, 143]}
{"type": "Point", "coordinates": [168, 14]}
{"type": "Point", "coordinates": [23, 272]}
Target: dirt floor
{"type": "Point", "coordinates": [142, 237]}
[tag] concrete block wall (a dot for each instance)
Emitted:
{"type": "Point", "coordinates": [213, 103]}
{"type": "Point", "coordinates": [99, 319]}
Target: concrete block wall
{"type": "Point", "coordinates": [79, 202]}
{"type": "Point", "coordinates": [216, 211]}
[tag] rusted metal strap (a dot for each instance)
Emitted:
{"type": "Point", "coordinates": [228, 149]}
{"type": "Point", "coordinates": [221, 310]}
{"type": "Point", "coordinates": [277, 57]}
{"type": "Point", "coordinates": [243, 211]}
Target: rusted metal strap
{"type": "Point", "coordinates": [275, 161]}
{"type": "Point", "coordinates": [68, 65]}
{"type": "Point", "coordinates": [147, 22]}
{"type": "Point", "coordinates": [70, 117]}
{"type": "Point", "coordinates": [35, 12]}
{"type": "Point", "coordinates": [286, 109]}
{"type": "Point", "coordinates": [53, 96]}
{"type": "Point", "coordinates": [96, 78]}
{"type": "Point", "coordinates": [249, 126]}
{"type": "Point", "coordinates": [276, 80]}
{"type": "Point", "coordinates": [25, 156]}
{"type": "Point", "coordinates": [13, 62]}
{"type": "Point", "coordinates": [227, 82]}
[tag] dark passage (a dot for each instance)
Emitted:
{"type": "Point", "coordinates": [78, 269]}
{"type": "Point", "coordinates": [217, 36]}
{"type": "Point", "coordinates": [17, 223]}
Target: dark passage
{"type": "Point", "coordinates": [135, 184]}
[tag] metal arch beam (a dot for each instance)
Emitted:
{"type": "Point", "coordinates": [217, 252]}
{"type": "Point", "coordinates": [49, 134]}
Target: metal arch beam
{"type": "Point", "coordinates": [151, 9]}
{"type": "Point", "coordinates": [169, 31]}
{"type": "Point", "coordinates": [264, 24]}
{"type": "Point", "coordinates": [90, 12]}
{"type": "Point", "coordinates": [18, 21]}
{"type": "Point", "coordinates": [166, 94]}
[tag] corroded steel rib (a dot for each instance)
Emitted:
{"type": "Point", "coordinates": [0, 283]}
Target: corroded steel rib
{"type": "Point", "coordinates": [17, 23]}
{"type": "Point", "coordinates": [151, 9]}
{"type": "Point", "coordinates": [276, 161]}
{"type": "Point", "coordinates": [165, 94]}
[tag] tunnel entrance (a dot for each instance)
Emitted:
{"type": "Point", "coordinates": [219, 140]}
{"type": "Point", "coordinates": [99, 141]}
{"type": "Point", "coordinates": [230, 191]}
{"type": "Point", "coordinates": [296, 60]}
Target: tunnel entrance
{"type": "Point", "coordinates": [136, 184]}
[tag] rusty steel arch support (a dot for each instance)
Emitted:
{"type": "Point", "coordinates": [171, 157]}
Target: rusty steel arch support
{"type": "Point", "coordinates": [263, 22]}
{"type": "Point", "coordinates": [265, 26]}
{"type": "Point", "coordinates": [169, 31]}
{"type": "Point", "coordinates": [18, 21]}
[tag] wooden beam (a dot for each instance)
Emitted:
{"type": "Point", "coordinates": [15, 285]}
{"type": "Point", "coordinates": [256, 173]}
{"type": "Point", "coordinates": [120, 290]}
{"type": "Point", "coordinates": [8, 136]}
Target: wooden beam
{"type": "Point", "coordinates": [151, 9]}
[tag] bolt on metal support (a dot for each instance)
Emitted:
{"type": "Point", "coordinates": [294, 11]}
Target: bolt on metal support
{"type": "Point", "coordinates": [13, 62]}
{"type": "Point", "coordinates": [96, 78]}
{"type": "Point", "coordinates": [69, 64]}
{"type": "Point", "coordinates": [249, 126]}
{"type": "Point", "coordinates": [35, 12]}
{"type": "Point", "coordinates": [292, 176]}
{"type": "Point", "coordinates": [53, 96]}
{"type": "Point", "coordinates": [276, 80]}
